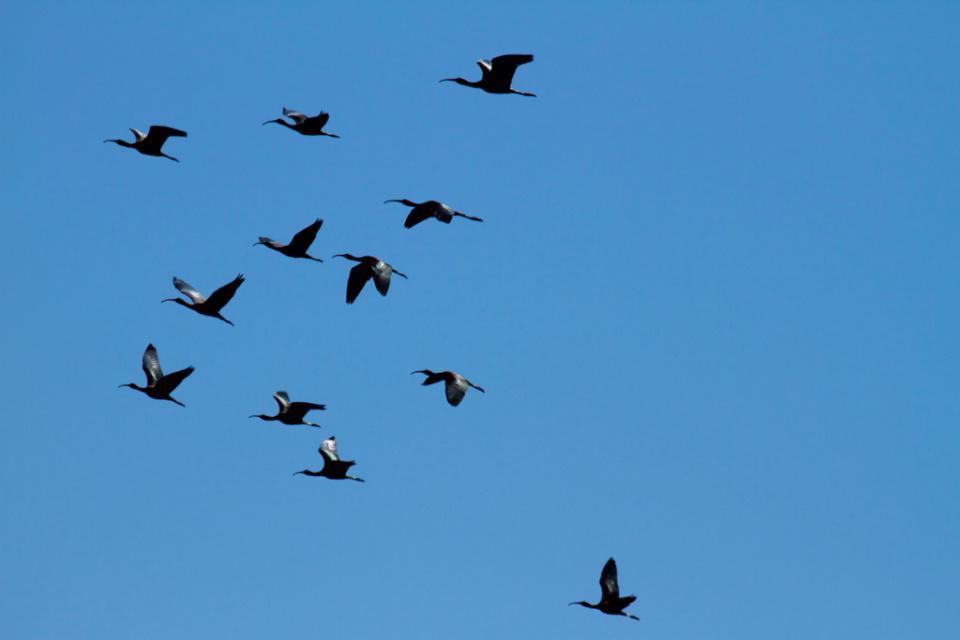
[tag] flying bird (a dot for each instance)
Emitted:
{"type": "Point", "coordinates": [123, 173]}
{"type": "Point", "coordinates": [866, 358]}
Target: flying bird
{"type": "Point", "coordinates": [610, 601]}
{"type": "Point", "coordinates": [368, 267]}
{"type": "Point", "coordinates": [159, 386]}
{"type": "Point", "coordinates": [430, 209]}
{"type": "Point", "coordinates": [291, 413]}
{"type": "Point", "coordinates": [333, 467]}
{"type": "Point", "coordinates": [298, 245]}
{"type": "Point", "coordinates": [497, 74]}
{"type": "Point", "coordinates": [456, 385]}
{"type": "Point", "coordinates": [206, 306]}
{"type": "Point", "coordinates": [149, 144]}
{"type": "Point", "coordinates": [305, 125]}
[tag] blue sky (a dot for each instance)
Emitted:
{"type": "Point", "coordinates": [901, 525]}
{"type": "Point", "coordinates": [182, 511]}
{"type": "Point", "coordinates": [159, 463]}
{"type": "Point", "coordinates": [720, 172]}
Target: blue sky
{"type": "Point", "coordinates": [713, 304]}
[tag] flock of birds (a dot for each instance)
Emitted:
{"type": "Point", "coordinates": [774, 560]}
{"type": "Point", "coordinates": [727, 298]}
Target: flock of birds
{"type": "Point", "coordinates": [497, 78]}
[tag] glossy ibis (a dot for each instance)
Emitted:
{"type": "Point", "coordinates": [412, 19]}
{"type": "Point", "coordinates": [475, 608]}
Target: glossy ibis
{"type": "Point", "coordinates": [456, 385]}
{"type": "Point", "coordinates": [305, 125]}
{"type": "Point", "coordinates": [291, 413]}
{"type": "Point", "coordinates": [610, 601]}
{"type": "Point", "coordinates": [159, 386]}
{"type": "Point", "coordinates": [333, 467]}
{"type": "Point", "coordinates": [430, 209]}
{"type": "Point", "coordinates": [369, 267]}
{"type": "Point", "coordinates": [497, 74]}
{"type": "Point", "coordinates": [149, 144]}
{"type": "Point", "coordinates": [206, 306]}
{"type": "Point", "coordinates": [298, 245]}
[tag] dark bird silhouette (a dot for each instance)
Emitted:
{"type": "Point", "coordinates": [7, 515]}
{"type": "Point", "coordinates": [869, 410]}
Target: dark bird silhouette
{"type": "Point", "coordinates": [369, 267]}
{"type": "Point", "coordinates": [610, 601]}
{"type": "Point", "coordinates": [497, 74]}
{"type": "Point", "coordinates": [159, 386]}
{"type": "Point", "coordinates": [333, 467]}
{"type": "Point", "coordinates": [456, 385]}
{"type": "Point", "coordinates": [151, 143]}
{"type": "Point", "coordinates": [291, 413]}
{"type": "Point", "coordinates": [298, 245]}
{"type": "Point", "coordinates": [206, 306]}
{"type": "Point", "coordinates": [305, 125]}
{"type": "Point", "coordinates": [430, 209]}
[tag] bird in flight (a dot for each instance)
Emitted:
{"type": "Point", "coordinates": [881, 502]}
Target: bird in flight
{"type": "Point", "coordinates": [206, 306]}
{"type": "Point", "coordinates": [611, 602]}
{"type": "Point", "coordinates": [291, 413]}
{"type": "Point", "coordinates": [333, 467]}
{"type": "Point", "coordinates": [150, 143]}
{"type": "Point", "coordinates": [368, 267]}
{"type": "Point", "coordinates": [497, 74]}
{"type": "Point", "coordinates": [305, 125]}
{"type": "Point", "coordinates": [298, 245]}
{"type": "Point", "coordinates": [456, 385]}
{"type": "Point", "coordinates": [159, 386]}
{"type": "Point", "coordinates": [430, 209]}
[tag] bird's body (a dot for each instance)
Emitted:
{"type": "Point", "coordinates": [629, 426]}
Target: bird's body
{"type": "Point", "coordinates": [455, 385]}
{"type": "Point", "coordinates": [333, 467]}
{"type": "Point", "coordinates": [159, 386]}
{"type": "Point", "coordinates": [430, 209]}
{"type": "Point", "coordinates": [368, 267]}
{"type": "Point", "coordinates": [151, 142]}
{"type": "Point", "coordinates": [298, 245]}
{"type": "Point", "coordinates": [611, 602]}
{"type": "Point", "coordinates": [305, 125]}
{"type": "Point", "coordinates": [497, 74]}
{"type": "Point", "coordinates": [206, 306]}
{"type": "Point", "coordinates": [291, 413]}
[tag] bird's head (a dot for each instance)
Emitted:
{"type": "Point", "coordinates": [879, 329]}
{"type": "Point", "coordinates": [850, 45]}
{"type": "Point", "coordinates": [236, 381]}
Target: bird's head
{"type": "Point", "coordinates": [457, 80]}
{"type": "Point", "coordinates": [260, 415]}
{"type": "Point", "coordinates": [132, 385]}
{"type": "Point", "coordinates": [582, 603]}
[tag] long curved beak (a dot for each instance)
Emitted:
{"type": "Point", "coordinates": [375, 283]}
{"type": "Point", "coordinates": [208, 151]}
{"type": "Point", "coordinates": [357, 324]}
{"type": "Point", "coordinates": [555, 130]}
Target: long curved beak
{"type": "Point", "coordinates": [253, 416]}
{"type": "Point", "coordinates": [169, 300]}
{"type": "Point", "coordinates": [256, 243]}
{"type": "Point", "coordinates": [448, 80]}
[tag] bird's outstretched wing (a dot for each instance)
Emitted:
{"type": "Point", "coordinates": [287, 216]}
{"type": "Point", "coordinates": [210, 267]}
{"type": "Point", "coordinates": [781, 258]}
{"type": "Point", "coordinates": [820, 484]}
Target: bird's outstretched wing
{"type": "Point", "coordinates": [358, 277]}
{"type": "Point", "coordinates": [304, 238]}
{"type": "Point", "coordinates": [321, 119]}
{"type": "Point", "coordinates": [283, 400]}
{"type": "Point", "coordinates": [328, 449]}
{"type": "Point", "coordinates": [299, 410]}
{"type": "Point", "coordinates": [294, 115]}
{"type": "Point", "coordinates": [455, 389]}
{"type": "Point", "coordinates": [381, 276]}
{"type": "Point", "coordinates": [161, 132]}
{"type": "Point", "coordinates": [151, 365]}
{"type": "Point", "coordinates": [219, 298]}
{"type": "Point", "coordinates": [417, 215]}
{"type": "Point", "coordinates": [506, 65]}
{"type": "Point", "coordinates": [171, 381]}
{"type": "Point", "coordinates": [188, 291]}
{"type": "Point", "coordinates": [608, 581]}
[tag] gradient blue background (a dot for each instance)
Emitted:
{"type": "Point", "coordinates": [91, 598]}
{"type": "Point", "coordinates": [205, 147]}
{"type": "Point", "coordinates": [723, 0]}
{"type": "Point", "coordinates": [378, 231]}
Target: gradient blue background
{"type": "Point", "coordinates": [714, 305]}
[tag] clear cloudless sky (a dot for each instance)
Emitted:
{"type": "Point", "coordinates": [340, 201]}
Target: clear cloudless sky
{"type": "Point", "coordinates": [713, 302]}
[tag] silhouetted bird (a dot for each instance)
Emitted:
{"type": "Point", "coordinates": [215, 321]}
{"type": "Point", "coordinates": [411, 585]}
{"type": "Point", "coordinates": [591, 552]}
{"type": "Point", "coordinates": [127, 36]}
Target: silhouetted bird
{"type": "Point", "coordinates": [456, 385]}
{"type": "Point", "coordinates": [305, 125]}
{"type": "Point", "coordinates": [333, 467]}
{"type": "Point", "coordinates": [159, 386]}
{"type": "Point", "coordinates": [206, 306]}
{"type": "Point", "coordinates": [298, 245]}
{"type": "Point", "coordinates": [497, 74]}
{"type": "Point", "coordinates": [291, 412]}
{"type": "Point", "coordinates": [610, 601]}
{"type": "Point", "coordinates": [430, 209]}
{"type": "Point", "coordinates": [150, 144]}
{"type": "Point", "coordinates": [369, 267]}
